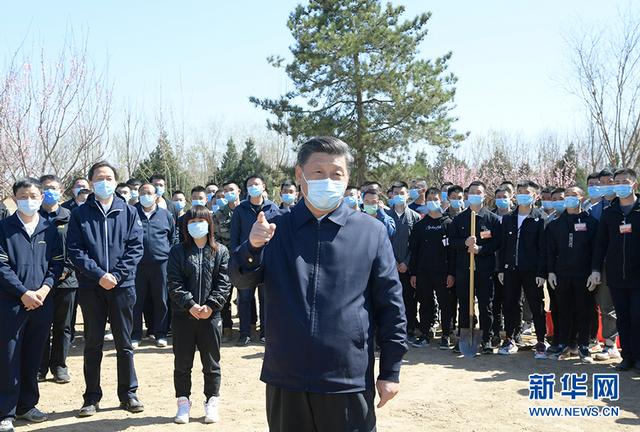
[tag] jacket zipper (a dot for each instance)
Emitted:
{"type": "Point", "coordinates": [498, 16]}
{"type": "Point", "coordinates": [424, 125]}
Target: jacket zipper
{"type": "Point", "coordinates": [624, 251]}
{"type": "Point", "coordinates": [200, 277]}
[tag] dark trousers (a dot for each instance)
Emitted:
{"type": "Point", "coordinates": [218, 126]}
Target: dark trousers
{"type": "Point", "coordinates": [291, 411]}
{"type": "Point", "coordinates": [227, 321]}
{"type": "Point", "coordinates": [205, 335]}
{"type": "Point", "coordinates": [496, 306]}
{"type": "Point", "coordinates": [151, 282]}
{"type": "Point", "coordinates": [22, 338]}
{"type": "Point", "coordinates": [556, 315]}
{"type": "Point", "coordinates": [574, 303]}
{"type": "Point", "coordinates": [626, 300]}
{"type": "Point", "coordinates": [97, 305]}
{"type": "Point", "coordinates": [410, 302]}
{"type": "Point", "coordinates": [514, 283]}
{"type": "Point", "coordinates": [245, 298]}
{"type": "Point", "coordinates": [428, 286]}
{"type": "Point", "coordinates": [56, 348]}
{"type": "Point", "coordinates": [484, 294]}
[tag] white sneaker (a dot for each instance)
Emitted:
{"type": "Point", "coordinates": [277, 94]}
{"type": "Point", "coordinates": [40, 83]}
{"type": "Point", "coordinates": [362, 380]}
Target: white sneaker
{"type": "Point", "coordinates": [135, 344]}
{"type": "Point", "coordinates": [527, 329]}
{"type": "Point", "coordinates": [608, 353]}
{"type": "Point", "coordinates": [108, 337]}
{"type": "Point", "coordinates": [6, 425]}
{"type": "Point", "coordinates": [184, 409]}
{"type": "Point", "coordinates": [211, 414]}
{"type": "Point", "coordinates": [508, 348]}
{"type": "Point", "coordinates": [161, 343]}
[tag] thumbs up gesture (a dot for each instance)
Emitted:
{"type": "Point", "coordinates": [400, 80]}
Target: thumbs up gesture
{"type": "Point", "coordinates": [261, 231]}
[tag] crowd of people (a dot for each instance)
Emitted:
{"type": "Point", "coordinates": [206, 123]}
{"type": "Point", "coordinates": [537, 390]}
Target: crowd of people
{"type": "Point", "coordinates": [128, 253]}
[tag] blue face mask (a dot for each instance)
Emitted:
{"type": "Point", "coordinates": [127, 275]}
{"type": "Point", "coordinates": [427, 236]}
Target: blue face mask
{"type": "Point", "coordinates": [571, 202]}
{"type": "Point", "coordinates": [524, 199]}
{"type": "Point", "coordinates": [398, 200]}
{"type": "Point", "coordinates": [159, 190]}
{"type": "Point", "coordinates": [104, 189]}
{"type": "Point", "coordinates": [135, 194]}
{"type": "Point", "coordinates": [325, 194]}
{"type": "Point", "coordinates": [288, 198]}
{"type": "Point", "coordinates": [230, 196]}
{"type": "Point", "coordinates": [623, 190]}
{"type": "Point", "coordinates": [221, 202]}
{"type": "Point", "coordinates": [51, 197]}
{"type": "Point", "coordinates": [433, 206]}
{"type": "Point", "coordinates": [28, 207]}
{"type": "Point", "coordinates": [147, 200]}
{"type": "Point", "coordinates": [475, 200]}
{"type": "Point", "coordinates": [608, 190]}
{"type": "Point", "coordinates": [255, 191]}
{"type": "Point", "coordinates": [502, 203]}
{"type": "Point", "coordinates": [594, 191]}
{"type": "Point", "coordinates": [558, 206]}
{"type": "Point", "coordinates": [76, 191]}
{"type": "Point", "coordinates": [198, 203]}
{"type": "Point", "coordinates": [444, 196]}
{"type": "Point", "coordinates": [547, 205]}
{"type": "Point", "coordinates": [414, 194]}
{"type": "Point", "coordinates": [351, 201]}
{"type": "Point", "coordinates": [180, 205]}
{"type": "Point", "coordinates": [198, 229]}
{"type": "Point", "coordinates": [456, 204]}
{"type": "Point", "coordinates": [210, 196]}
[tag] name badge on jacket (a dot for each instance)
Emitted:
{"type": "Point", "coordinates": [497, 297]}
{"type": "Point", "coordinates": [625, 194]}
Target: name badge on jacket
{"type": "Point", "coordinates": [580, 227]}
{"type": "Point", "coordinates": [484, 235]}
{"type": "Point", "coordinates": [625, 229]}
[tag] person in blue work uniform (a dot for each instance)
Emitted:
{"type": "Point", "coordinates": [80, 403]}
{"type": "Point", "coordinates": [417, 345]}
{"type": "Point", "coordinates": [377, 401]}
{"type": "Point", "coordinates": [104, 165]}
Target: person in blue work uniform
{"type": "Point", "coordinates": [31, 261]}
{"type": "Point", "coordinates": [331, 282]}
{"type": "Point", "coordinates": [79, 183]}
{"type": "Point", "coordinates": [288, 194]}
{"type": "Point", "coordinates": [243, 218]}
{"type": "Point", "coordinates": [104, 242]}
{"type": "Point", "coordinates": [617, 248]}
{"type": "Point", "coordinates": [57, 346]}
{"type": "Point", "coordinates": [372, 205]}
{"type": "Point", "coordinates": [159, 234]}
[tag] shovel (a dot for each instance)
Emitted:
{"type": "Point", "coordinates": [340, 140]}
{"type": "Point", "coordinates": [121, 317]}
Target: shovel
{"type": "Point", "coordinates": [471, 337]}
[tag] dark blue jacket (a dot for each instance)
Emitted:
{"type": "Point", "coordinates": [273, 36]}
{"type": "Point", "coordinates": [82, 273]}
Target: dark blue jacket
{"type": "Point", "coordinates": [244, 217]}
{"type": "Point", "coordinates": [28, 263]}
{"type": "Point", "coordinates": [100, 243]}
{"type": "Point", "coordinates": [328, 287]}
{"type": "Point", "coordinates": [159, 234]}
{"type": "Point", "coordinates": [60, 218]}
{"type": "Point", "coordinates": [70, 204]}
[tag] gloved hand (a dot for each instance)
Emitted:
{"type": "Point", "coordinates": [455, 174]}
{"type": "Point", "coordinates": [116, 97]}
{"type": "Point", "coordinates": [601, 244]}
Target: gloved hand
{"type": "Point", "coordinates": [593, 281]}
{"type": "Point", "coordinates": [539, 281]}
{"type": "Point", "coordinates": [553, 280]}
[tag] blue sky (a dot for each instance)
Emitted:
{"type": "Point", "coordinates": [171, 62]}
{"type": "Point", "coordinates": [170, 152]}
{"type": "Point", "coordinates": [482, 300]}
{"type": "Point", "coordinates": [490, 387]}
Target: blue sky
{"type": "Point", "coordinates": [205, 58]}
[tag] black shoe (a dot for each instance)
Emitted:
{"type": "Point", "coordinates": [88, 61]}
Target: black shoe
{"type": "Point", "coordinates": [625, 365]}
{"type": "Point", "coordinates": [496, 341]}
{"type": "Point", "coordinates": [133, 405]}
{"type": "Point", "coordinates": [243, 341]}
{"type": "Point", "coordinates": [88, 410]}
{"type": "Point", "coordinates": [421, 342]}
{"type": "Point", "coordinates": [61, 378]}
{"type": "Point", "coordinates": [486, 348]}
{"type": "Point", "coordinates": [42, 376]}
{"type": "Point", "coordinates": [456, 348]}
{"type": "Point", "coordinates": [445, 344]}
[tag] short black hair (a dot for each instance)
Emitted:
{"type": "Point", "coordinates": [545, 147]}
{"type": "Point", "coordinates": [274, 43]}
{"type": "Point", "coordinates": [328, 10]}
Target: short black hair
{"type": "Point", "coordinates": [558, 190]}
{"type": "Point", "coordinates": [211, 183]}
{"type": "Point", "coordinates": [50, 177]}
{"type": "Point", "coordinates": [605, 173]}
{"type": "Point", "coordinates": [26, 182]}
{"type": "Point", "coordinates": [626, 171]}
{"type": "Point", "coordinates": [528, 184]}
{"type": "Point", "coordinates": [230, 182]}
{"type": "Point", "coordinates": [399, 184]}
{"type": "Point", "coordinates": [176, 192]}
{"type": "Point", "coordinates": [324, 144]}
{"type": "Point", "coordinates": [254, 176]}
{"type": "Point", "coordinates": [134, 182]}
{"type": "Point", "coordinates": [446, 184]}
{"type": "Point", "coordinates": [349, 187]}
{"type": "Point", "coordinates": [102, 164]}
{"type": "Point", "coordinates": [501, 189]}
{"type": "Point", "coordinates": [477, 183]}
{"type": "Point", "coordinates": [157, 177]}
{"type": "Point", "coordinates": [547, 189]}
{"type": "Point", "coordinates": [433, 189]}
{"type": "Point", "coordinates": [372, 192]}
{"type": "Point", "coordinates": [79, 178]}
{"type": "Point", "coordinates": [198, 189]}
{"type": "Point", "coordinates": [593, 175]}
{"type": "Point", "coordinates": [453, 189]}
{"type": "Point", "coordinates": [288, 183]}
{"type": "Point", "coordinates": [123, 185]}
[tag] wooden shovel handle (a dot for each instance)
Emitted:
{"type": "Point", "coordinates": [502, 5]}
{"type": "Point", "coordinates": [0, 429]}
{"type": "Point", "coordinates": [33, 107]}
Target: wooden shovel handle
{"type": "Point", "coordinates": [472, 273]}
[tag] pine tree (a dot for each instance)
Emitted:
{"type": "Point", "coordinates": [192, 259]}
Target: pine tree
{"type": "Point", "coordinates": [162, 160]}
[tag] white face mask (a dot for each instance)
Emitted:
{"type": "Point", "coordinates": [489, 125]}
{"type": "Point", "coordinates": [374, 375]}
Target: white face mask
{"type": "Point", "coordinates": [325, 194]}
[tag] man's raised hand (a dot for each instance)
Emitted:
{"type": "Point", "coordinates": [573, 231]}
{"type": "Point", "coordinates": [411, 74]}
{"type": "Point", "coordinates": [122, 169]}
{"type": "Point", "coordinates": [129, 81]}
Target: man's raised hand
{"type": "Point", "coordinates": [261, 231]}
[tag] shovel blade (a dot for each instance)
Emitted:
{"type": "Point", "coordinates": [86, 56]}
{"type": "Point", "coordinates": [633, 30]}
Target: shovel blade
{"type": "Point", "coordinates": [469, 342]}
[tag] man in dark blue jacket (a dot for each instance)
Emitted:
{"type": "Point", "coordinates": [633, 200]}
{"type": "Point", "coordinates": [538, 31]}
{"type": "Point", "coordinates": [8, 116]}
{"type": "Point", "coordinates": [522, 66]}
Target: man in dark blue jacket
{"type": "Point", "coordinates": [31, 262]}
{"type": "Point", "coordinates": [244, 216]}
{"type": "Point", "coordinates": [159, 234]}
{"type": "Point", "coordinates": [79, 183]}
{"type": "Point", "coordinates": [104, 241]}
{"type": "Point", "coordinates": [331, 282]}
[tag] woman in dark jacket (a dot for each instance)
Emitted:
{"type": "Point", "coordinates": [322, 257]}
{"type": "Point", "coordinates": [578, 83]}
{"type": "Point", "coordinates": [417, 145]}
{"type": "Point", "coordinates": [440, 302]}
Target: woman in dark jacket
{"type": "Point", "coordinates": [198, 287]}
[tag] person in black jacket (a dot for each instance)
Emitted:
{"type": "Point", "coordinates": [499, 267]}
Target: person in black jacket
{"type": "Point", "coordinates": [57, 346]}
{"type": "Point", "coordinates": [79, 183]}
{"type": "Point", "coordinates": [31, 261]}
{"type": "Point", "coordinates": [618, 243]}
{"type": "Point", "coordinates": [4, 211]}
{"type": "Point", "coordinates": [521, 266]}
{"type": "Point", "coordinates": [483, 244]}
{"type": "Point", "coordinates": [159, 234]}
{"type": "Point", "coordinates": [431, 269]}
{"type": "Point", "coordinates": [570, 239]}
{"type": "Point", "coordinates": [199, 287]}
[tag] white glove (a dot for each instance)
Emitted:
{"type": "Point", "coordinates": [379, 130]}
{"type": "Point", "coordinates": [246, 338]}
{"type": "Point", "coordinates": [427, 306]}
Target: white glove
{"type": "Point", "coordinates": [553, 280]}
{"type": "Point", "coordinates": [501, 278]}
{"type": "Point", "coordinates": [539, 281]}
{"type": "Point", "coordinates": [593, 281]}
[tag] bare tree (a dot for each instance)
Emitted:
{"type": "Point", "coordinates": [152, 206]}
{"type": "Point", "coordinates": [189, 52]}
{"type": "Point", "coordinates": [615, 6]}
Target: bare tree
{"type": "Point", "coordinates": [131, 144]}
{"type": "Point", "coordinates": [606, 76]}
{"type": "Point", "coordinates": [53, 114]}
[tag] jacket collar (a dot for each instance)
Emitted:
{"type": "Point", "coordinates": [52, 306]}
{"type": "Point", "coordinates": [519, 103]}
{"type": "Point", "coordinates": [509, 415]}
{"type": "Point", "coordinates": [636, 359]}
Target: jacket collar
{"type": "Point", "coordinates": [118, 203]}
{"type": "Point", "coordinates": [43, 224]}
{"type": "Point", "coordinates": [535, 213]}
{"type": "Point", "coordinates": [301, 214]}
{"type": "Point", "coordinates": [615, 204]}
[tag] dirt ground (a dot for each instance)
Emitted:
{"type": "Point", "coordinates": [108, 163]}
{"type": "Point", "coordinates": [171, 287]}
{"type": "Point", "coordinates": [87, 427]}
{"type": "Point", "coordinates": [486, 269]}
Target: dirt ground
{"type": "Point", "coordinates": [440, 391]}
